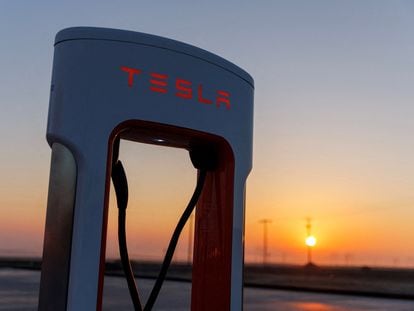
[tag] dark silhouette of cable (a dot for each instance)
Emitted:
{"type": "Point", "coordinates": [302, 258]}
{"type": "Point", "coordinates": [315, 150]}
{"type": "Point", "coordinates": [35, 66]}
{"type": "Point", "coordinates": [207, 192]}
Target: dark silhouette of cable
{"type": "Point", "coordinates": [174, 240]}
{"type": "Point", "coordinates": [121, 189]}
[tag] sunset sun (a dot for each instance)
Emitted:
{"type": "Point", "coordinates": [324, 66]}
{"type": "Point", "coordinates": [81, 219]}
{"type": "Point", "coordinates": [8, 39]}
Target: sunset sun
{"type": "Point", "coordinates": [310, 241]}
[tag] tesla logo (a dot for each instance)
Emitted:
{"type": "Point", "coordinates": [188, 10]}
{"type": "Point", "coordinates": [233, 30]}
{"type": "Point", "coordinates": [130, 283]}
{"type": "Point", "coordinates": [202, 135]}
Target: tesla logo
{"type": "Point", "coordinates": [160, 83]}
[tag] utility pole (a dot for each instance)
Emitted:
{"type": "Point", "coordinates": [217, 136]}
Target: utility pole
{"type": "Point", "coordinates": [308, 233]}
{"type": "Point", "coordinates": [264, 222]}
{"type": "Point", "coordinates": [310, 240]}
{"type": "Point", "coordinates": [190, 239]}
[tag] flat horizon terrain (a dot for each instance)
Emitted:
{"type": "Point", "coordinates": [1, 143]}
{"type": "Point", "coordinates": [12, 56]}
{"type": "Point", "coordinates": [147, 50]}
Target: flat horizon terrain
{"type": "Point", "coordinates": [353, 281]}
{"type": "Point", "coordinates": [19, 291]}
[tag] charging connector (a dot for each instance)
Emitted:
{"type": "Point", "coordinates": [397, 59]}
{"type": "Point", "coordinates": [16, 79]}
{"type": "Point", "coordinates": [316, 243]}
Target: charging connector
{"type": "Point", "coordinates": [204, 157]}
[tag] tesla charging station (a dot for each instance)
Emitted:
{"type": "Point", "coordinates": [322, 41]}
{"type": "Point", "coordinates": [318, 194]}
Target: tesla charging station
{"type": "Point", "coordinates": [109, 84]}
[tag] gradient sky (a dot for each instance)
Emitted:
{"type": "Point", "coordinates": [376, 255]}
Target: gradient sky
{"type": "Point", "coordinates": [334, 119]}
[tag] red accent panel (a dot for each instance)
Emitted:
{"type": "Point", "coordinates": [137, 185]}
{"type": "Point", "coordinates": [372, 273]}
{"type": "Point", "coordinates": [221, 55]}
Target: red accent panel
{"type": "Point", "coordinates": [211, 287]}
{"type": "Point", "coordinates": [200, 96]}
{"type": "Point", "coordinates": [213, 240]}
{"type": "Point", "coordinates": [131, 73]}
{"type": "Point", "coordinates": [184, 88]}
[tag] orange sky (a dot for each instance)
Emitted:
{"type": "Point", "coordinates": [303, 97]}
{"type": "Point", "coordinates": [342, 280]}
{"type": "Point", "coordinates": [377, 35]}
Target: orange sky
{"type": "Point", "coordinates": [346, 221]}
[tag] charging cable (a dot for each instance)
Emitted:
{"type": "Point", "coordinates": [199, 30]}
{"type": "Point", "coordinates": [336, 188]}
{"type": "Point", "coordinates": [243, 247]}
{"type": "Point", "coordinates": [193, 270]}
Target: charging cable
{"type": "Point", "coordinates": [174, 240]}
{"type": "Point", "coordinates": [204, 161]}
{"type": "Point", "coordinates": [121, 189]}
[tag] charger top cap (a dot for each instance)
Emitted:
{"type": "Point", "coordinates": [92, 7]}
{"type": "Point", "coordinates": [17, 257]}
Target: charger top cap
{"type": "Point", "coordinates": [95, 33]}
{"type": "Point", "coordinates": [105, 77]}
